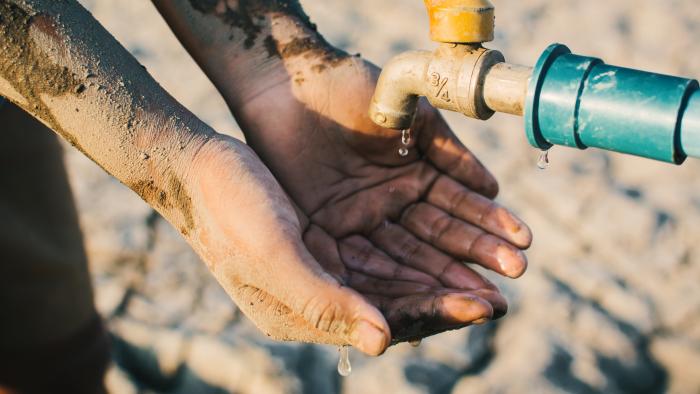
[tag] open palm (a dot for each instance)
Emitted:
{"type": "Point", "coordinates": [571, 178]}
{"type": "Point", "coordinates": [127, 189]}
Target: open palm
{"type": "Point", "coordinates": [395, 229]}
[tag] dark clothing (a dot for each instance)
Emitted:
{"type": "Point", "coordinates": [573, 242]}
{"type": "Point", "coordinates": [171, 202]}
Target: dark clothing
{"type": "Point", "coordinates": [49, 325]}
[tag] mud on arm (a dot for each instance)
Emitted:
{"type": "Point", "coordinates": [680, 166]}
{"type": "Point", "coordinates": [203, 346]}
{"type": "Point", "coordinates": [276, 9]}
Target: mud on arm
{"type": "Point", "coordinates": [248, 46]}
{"type": "Point", "coordinates": [60, 65]}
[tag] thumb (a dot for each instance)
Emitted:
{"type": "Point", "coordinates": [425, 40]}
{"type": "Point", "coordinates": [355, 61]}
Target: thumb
{"type": "Point", "coordinates": [282, 288]}
{"type": "Point", "coordinates": [338, 312]}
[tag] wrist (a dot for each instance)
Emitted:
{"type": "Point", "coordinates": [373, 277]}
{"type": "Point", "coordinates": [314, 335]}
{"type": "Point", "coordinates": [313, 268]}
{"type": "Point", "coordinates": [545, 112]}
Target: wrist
{"type": "Point", "coordinates": [246, 47]}
{"type": "Point", "coordinates": [287, 51]}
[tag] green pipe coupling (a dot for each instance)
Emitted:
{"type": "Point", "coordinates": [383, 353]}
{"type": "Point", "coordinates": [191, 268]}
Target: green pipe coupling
{"type": "Point", "coordinates": [582, 102]}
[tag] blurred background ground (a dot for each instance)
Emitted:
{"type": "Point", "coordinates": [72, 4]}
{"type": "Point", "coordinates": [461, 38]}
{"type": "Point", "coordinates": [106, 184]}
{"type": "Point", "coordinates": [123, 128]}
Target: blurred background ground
{"type": "Point", "coordinates": [611, 302]}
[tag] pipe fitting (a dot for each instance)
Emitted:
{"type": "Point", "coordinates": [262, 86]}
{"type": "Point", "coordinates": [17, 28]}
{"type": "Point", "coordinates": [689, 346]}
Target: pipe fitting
{"type": "Point", "coordinates": [461, 21]}
{"type": "Point", "coordinates": [580, 101]}
{"type": "Point", "coordinates": [460, 78]}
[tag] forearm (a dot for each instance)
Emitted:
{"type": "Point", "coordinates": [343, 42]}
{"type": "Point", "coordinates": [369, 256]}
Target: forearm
{"type": "Point", "coordinates": [246, 47]}
{"type": "Point", "coordinates": [60, 65]}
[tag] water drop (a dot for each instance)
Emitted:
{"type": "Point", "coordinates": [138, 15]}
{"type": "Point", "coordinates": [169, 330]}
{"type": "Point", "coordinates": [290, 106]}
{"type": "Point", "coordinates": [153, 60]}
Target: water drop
{"type": "Point", "coordinates": [415, 342]}
{"type": "Point", "coordinates": [406, 136]}
{"type": "Point", "coordinates": [543, 160]}
{"type": "Point", "coordinates": [405, 142]}
{"type": "Point", "coordinates": [344, 367]}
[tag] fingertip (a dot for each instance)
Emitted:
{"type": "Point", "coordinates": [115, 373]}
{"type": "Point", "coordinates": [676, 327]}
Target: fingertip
{"type": "Point", "coordinates": [497, 301]}
{"type": "Point", "coordinates": [491, 187]}
{"type": "Point", "coordinates": [369, 338]}
{"type": "Point", "coordinates": [523, 237]}
{"type": "Point", "coordinates": [512, 261]}
{"type": "Point", "coordinates": [465, 308]}
{"type": "Point", "coordinates": [510, 227]}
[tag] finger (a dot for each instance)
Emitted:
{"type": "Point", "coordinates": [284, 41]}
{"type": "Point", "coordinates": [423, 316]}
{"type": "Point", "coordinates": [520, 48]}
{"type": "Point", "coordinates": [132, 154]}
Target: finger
{"type": "Point", "coordinates": [366, 284]}
{"type": "Point", "coordinates": [495, 298]}
{"type": "Point", "coordinates": [416, 317]}
{"type": "Point", "coordinates": [448, 154]}
{"type": "Point", "coordinates": [478, 210]}
{"type": "Point", "coordinates": [411, 251]}
{"type": "Point", "coordinates": [463, 241]}
{"type": "Point", "coordinates": [291, 297]}
{"type": "Point", "coordinates": [360, 255]}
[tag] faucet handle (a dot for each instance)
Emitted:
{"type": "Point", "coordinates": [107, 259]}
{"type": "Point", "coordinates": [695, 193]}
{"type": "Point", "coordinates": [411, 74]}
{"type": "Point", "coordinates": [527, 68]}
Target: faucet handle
{"type": "Point", "coordinates": [461, 21]}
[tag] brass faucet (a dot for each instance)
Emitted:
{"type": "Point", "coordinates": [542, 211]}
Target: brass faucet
{"type": "Point", "coordinates": [460, 75]}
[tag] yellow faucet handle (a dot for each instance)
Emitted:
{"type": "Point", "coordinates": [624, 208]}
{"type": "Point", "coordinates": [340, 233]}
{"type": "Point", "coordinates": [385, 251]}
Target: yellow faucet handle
{"type": "Point", "coordinates": [461, 21]}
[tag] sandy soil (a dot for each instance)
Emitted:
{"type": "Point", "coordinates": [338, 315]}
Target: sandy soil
{"type": "Point", "coordinates": [611, 302]}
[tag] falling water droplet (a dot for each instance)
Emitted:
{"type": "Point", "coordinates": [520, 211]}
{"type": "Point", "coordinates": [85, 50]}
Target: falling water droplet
{"type": "Point", "coordinates": [405, 141]}
{"type": "Point", "coordinates": [415, 342]}
{"type": "Point", "coordinates": [406, 136]}
{"type": "Point", "coordinates": [344, 367]}
{"type": "Point", "coordinates": [543, 160]}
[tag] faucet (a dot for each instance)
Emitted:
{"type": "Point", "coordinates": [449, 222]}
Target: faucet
{"type": "Point", "coordinates": [565, 99]}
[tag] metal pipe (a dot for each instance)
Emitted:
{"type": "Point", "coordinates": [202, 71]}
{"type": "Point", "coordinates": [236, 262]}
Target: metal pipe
{"type": "Point", "coordinates": [505, 88]}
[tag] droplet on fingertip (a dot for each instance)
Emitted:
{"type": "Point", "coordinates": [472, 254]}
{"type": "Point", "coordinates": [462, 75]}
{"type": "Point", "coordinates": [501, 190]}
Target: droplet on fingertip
{"type": "Point", "coordinates": [344, 367]}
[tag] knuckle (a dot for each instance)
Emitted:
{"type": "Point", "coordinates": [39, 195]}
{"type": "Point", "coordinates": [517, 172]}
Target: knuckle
{"type": "Point", "coordinates": [439, 228]}
{"type": "Point", "coordinates": [456, 201]}
{"type": "Point", "coordinates": [408, 214]}
{"type": "Point", "coordinates": [410, 249]}
{"type": "Point", "coordinates": [323, 315]}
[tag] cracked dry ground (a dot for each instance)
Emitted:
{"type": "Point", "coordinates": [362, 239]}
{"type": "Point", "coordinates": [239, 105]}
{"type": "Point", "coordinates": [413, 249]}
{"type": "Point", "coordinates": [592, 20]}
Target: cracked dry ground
{"type": "Point", "coordinates": [611, 302]}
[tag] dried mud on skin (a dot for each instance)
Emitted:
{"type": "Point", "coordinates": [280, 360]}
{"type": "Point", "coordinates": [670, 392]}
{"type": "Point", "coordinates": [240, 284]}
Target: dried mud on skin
{"type": "Point", "coordinates": [610, 302]}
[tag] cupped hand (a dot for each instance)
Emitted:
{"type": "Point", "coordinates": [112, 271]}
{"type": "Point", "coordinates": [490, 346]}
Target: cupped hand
{"type": "Point", "coordinates": [396, 230]}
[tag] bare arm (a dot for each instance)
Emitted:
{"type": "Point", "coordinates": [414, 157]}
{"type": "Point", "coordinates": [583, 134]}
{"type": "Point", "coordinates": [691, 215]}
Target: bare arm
{"type": "Point", "coordinates": [59, 64]}
{"type": "Point", "coordinates": [245, 47]}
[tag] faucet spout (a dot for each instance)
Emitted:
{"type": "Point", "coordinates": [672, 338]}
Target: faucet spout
{"type": "Point", "coordinates": [469, 79]}
{"type": "Point", "coordinates": [400, 84]}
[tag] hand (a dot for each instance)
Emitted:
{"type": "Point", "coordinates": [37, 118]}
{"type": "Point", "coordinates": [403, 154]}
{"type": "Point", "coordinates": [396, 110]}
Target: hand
{"type": "Point", "coordinates": [243, 225]}
{"type": "Point", "coordinates": [377, 239]}
{"type": "Point", "coordinates": [394, 229]}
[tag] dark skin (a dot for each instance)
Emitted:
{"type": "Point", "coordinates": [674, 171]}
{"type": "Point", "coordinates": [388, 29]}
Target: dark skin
{"type": "Point", "coordinates": [395, 229]}
{"type": "Point", "coordinates": [322, 233]}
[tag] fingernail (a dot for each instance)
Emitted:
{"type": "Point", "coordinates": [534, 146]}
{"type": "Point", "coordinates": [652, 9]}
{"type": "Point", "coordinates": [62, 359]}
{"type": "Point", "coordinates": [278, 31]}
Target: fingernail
{"type": "Point", "coordinates": [511, 261]}
{"type": "Point", "coordinates": [368, 338]}
{"type": "Point", "coordinates": [523, 235]}
{"type": "Point", "coordinates": [466, 309]}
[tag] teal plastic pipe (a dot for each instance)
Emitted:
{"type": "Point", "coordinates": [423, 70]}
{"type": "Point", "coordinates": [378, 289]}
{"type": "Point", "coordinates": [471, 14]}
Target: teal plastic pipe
{"type": "Point", "coordinates": [582, 102]}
